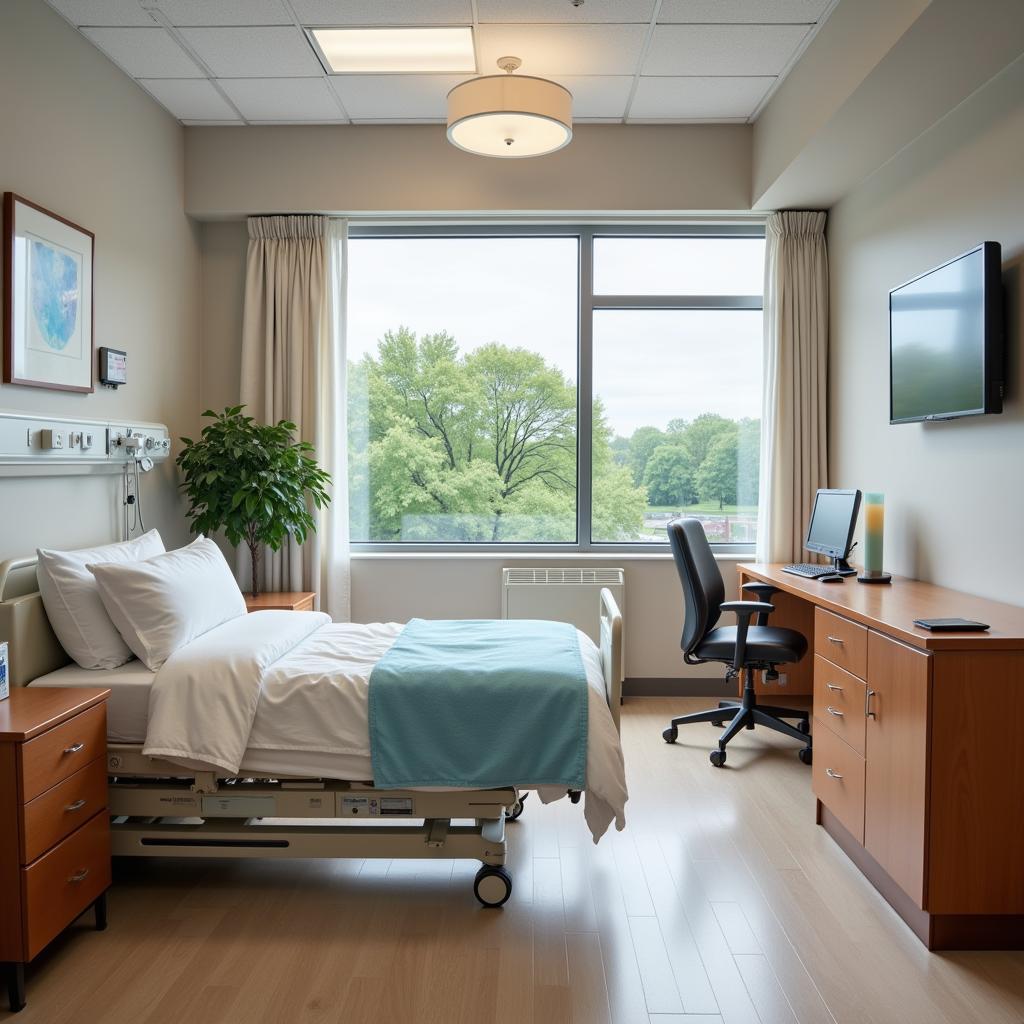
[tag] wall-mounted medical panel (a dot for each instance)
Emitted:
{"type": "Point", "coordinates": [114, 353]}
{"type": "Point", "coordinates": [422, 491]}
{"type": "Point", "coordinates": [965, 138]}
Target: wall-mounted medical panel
{"type": "Point", "coordinates": [42, 445]}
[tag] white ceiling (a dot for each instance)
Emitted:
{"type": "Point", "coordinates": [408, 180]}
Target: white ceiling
{"type": "Point", "coordinates": [634, 61]}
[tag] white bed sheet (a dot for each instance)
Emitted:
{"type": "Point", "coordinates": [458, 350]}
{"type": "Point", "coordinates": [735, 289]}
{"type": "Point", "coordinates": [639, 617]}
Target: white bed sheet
{"type": "Point", "coordinates": [128, 704]}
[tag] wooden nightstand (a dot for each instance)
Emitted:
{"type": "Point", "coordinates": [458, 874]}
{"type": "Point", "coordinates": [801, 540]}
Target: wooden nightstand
{"type": "Point", "coordinates": [284, 600]}
{"type": "Point", "coordinates": [54, 827]}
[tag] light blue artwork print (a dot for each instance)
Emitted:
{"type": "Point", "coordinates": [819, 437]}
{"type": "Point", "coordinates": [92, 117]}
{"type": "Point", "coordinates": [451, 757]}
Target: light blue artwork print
{"type": "Point", "coordinates": [54, 288]}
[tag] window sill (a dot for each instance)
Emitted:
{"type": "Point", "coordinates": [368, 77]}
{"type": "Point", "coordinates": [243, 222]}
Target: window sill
{"type": "Point", "coordinates": [538, 556]}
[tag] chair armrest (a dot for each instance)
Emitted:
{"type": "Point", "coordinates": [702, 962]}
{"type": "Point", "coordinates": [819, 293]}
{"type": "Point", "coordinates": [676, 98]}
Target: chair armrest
{"type": "Point", "coordinates": [745, 611]}
{"type": "Point", "coordinates": [764, 592]}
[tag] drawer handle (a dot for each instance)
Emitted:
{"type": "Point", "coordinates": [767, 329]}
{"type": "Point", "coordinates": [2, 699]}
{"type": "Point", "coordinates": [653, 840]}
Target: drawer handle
{"type": "Point", "coordinates": [868, 694]}
{"type": "Point", "coordinates": [834, 688]}
{"type": "Point", "coordinates": [79, 876]}
{"type": "Point", "coordinates": [835, 639]}
{"type": "Point", "coordinates": [74, 748]}
{"type": "Point", "coordinates": [831, 774]}
{"type": "Point", "coordinates": [76, 806]}
{"type": "Point", "coordinates": [834, 711]}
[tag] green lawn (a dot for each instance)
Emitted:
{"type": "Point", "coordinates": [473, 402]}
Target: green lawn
{"type": "Point", "coordinates": [708, 506]}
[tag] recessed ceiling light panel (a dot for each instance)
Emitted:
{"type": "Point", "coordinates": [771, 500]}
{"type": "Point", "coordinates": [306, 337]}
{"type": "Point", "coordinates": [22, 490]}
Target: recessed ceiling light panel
{"type": "Point", "coordinates": [365, 51]}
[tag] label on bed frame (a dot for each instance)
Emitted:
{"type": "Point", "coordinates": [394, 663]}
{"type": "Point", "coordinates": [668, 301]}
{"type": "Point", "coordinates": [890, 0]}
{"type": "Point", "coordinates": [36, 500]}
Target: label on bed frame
{"type": "Point", "coordinates": [238, 806]}
{"type": "Point", "coordinates": [376, 807]}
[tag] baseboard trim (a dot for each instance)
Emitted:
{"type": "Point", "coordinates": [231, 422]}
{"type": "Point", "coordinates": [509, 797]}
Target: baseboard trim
{"type": "Point", "coordinates": [689, 687]}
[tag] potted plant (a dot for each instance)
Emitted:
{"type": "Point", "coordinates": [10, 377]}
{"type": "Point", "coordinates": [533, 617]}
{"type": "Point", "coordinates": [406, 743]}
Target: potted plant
{"type": "Point", "coordinates": [252, 480]}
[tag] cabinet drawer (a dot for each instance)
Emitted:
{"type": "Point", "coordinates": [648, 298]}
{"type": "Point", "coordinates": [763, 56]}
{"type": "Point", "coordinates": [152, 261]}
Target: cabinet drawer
{"type": "Point", "coordinates": [839, 702]}
{"type": "Point", "coordinates": [63, 882]}
{"type": "Point", "coordinates": [838, 778]}
{"type": "Point", "coordinates": [841, 641]}
{"type": "Point", "coordinates": [62, 751]}
{"type": "Point", "coordinates": [61, 809]}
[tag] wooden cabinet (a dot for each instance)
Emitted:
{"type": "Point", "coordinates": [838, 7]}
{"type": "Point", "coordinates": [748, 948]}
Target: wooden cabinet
{"type": "Point", "coordinates": [896, 758]}
{"type": "Point", "coordinates": [54, 827]}
{"type": "Point", "coordinates": [289, 601]}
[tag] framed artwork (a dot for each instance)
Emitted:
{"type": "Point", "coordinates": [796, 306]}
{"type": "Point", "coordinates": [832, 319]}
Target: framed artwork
{"type": "Point", "coordinates": [48, 293]}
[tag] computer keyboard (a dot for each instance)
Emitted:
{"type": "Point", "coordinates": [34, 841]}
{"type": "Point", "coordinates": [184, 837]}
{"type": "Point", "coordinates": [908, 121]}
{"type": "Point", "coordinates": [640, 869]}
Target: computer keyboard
{"type": "Point", "coordinates": [810, 571]}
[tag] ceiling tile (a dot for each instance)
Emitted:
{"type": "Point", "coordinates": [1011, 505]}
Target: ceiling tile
{"type": "Point", "coordinates": [395, 96]}
{"type": "Point", "coordinates": [752, 12]}
{"type": "Point", "coordinates": [189, 98]}
{"type": "Point", "coordinates": [722, 49]}
{"type": "Point", "coordinates": [226, 12]}
{"type": "Point", "coordinates": [563, 49]}
{"type": "Point", "coordinates": [282, 99]}
{"type": "Point", "coordinates": [685, 98]}
{"type": "Point", "coordinates": [144, 52]}
{"type": "Point", "coordinates": [383, 12]}
{"type": "Point", "coordinates": [600, 96]}
{"type": "Point", "coordinates": [103, 12]}
{"type": "Point", "coordinates": [553, 11]}
{"type": "Point", "coordinates": [254, 52]}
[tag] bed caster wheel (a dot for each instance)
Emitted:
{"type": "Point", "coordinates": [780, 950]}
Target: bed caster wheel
{"type": "Point", "coordinates": [671, 734]}
{"type": "Point", "coordinates": [492, 886]}
{"type": "Point", "coordinates": [717, 758]}
{"type": "Point", "coordinates": [804, 726]}
{"type": "Point", "coordinates": [514, 812]}
{"type": "Point", "coordinates": [805, 755]}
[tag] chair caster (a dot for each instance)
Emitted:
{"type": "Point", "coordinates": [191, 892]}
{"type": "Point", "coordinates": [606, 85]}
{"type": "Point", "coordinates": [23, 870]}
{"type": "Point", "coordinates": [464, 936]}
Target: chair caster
{"type": "Point", "coordinates": [671, 734]}
{"type": "Point", "coordinates": [718, 723]}
{"type": "Point", "coordinates": [492, 886]}
{"type": "Point", "coordinates": [805, 755]}
{"type": "Point", "coordinates": [804, 727]}
{"type": "Point", "coordinates": [717, 758]}
{"type": "Point", "coordinates": [515, 812]}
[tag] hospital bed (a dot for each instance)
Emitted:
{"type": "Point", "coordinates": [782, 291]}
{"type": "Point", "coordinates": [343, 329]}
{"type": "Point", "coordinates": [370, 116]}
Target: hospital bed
{"type": "Point", "coordinates": [297, 805]}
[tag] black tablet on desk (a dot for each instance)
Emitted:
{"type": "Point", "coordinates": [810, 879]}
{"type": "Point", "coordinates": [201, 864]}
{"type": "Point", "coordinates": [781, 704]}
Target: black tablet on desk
{"type": "Point", "coordinates": [951, 625]}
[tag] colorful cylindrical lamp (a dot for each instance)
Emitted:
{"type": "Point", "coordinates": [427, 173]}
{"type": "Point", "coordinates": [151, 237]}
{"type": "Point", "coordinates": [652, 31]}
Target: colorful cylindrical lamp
{"type": "Point", "coordinates": [874, 530]}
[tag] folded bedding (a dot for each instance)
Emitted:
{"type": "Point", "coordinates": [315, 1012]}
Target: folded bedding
{"type": "Point", "coordinates": [256, 687]}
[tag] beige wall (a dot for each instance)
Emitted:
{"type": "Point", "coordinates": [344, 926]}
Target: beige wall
{"type": "Point", "coordinates": [80, 138]}
{"type": "Point", "coordinates": [364, 169]}
{"type": "Point", "coordinates": [954, 490]}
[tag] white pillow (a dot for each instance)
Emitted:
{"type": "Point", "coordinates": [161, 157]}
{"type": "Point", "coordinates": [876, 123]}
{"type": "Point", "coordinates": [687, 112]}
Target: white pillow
{"type": "Point", "coordinates": [164, 602]}
{"type": "Point", "coordinates": [72, 600]}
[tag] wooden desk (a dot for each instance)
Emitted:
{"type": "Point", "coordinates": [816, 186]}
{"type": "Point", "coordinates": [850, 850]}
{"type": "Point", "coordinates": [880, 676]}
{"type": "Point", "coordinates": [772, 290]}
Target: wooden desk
{"type": "Point", "coordinates": [918, 764]}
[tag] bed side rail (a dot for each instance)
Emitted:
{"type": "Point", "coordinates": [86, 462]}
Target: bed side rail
{"type": "Point", "coordinates": [611, 652]}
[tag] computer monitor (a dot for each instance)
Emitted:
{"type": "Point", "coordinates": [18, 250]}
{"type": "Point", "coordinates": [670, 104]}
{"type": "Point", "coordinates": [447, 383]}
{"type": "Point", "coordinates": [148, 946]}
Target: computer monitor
{"type": "Point", "coordinates": [833, 519]}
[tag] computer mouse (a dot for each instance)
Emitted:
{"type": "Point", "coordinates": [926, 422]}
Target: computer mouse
{"type": "Point", "coordinates": [830, 579]}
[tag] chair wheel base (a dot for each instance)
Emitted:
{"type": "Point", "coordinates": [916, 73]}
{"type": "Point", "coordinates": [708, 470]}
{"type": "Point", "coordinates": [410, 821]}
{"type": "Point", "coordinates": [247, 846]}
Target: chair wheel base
{"type": "Point", "coordinates": [717, 758]}
{"type": "Point", "coordinates": [670, 735]}
{"type": "Point", "coordinates": [805, 755]}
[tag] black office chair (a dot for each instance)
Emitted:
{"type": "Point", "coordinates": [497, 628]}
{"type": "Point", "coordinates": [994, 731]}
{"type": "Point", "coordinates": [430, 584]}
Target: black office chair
{"type": "Point", "coordinates": [743, 647]}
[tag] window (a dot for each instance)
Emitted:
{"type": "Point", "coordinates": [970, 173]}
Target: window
{"type": "Point", "coordinates": [553, 386]}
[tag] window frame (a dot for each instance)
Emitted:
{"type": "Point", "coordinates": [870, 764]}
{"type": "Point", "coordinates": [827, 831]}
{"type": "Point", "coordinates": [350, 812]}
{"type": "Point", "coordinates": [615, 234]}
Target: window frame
{"type": "Point", "coordinates": [588, 302]}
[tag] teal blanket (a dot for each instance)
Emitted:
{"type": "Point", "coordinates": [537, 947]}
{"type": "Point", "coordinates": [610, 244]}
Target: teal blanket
{"type": "Point", "coordinates": [480, 704]}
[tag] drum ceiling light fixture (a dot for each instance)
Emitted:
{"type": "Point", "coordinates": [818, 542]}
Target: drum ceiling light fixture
{"type": "Point", "coordinates": [509, 116]}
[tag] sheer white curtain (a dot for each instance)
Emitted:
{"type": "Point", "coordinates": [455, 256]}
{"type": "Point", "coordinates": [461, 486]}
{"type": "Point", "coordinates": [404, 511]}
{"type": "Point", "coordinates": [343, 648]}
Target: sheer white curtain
{"type": "Point", "coordinates": [794, 439]}
{"type": "Point", "coordinates": [293, 368]}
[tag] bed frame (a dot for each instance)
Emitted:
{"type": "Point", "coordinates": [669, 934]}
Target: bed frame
{"type": "Point", "coordinates": [159, 809]}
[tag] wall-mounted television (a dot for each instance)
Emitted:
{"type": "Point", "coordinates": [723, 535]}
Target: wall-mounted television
{"type": "Point", "coordinates": [946, 340]}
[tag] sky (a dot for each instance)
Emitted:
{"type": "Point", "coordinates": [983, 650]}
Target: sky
{"type": "Point", "coordinates": [650, 366]}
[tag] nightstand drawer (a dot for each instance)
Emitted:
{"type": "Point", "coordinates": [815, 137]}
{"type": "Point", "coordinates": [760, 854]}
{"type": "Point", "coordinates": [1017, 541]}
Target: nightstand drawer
{"type": "Point", "coordinates": [839, 702]}
{"type": "Point", "coordinates": [63, 882]}
{"type": "Point", "coordinates": [60, 810]}
{"type": "Point", "coordinates": [841, 641]}
{"type": "Point", "coordinates": [62, 751]}
{"type": "Point", "coordinates": [838, 778]}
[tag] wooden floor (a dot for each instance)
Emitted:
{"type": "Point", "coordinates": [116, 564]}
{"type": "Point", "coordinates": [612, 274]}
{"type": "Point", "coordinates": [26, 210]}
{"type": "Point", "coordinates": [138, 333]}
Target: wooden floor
{"type": "Point", "coordinates": [721, 902]}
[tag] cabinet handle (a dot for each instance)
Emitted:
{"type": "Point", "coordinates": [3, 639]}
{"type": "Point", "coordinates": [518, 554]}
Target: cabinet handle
{"type": "Point", "coordinates": [868, 694]}
{"type": "Point", "coordinates": [76, 806]}
{"type": "Point", "coordinates": [834, 711]}
{"type": "Point", "coordinates": [831, 774]}
{"type": "Point", "coordinates": [834, 688]}
{"type": "Point", "coordinates": [74, 748]}
{"type": "Point", "coordinates": [835, 639]}
{"type": "Point", "coordinates": [79, 876]}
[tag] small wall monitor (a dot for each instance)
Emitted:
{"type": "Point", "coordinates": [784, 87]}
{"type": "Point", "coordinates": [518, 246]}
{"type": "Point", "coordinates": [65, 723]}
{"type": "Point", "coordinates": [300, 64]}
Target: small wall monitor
{"type": "Point", "coordinates": [946, 340]}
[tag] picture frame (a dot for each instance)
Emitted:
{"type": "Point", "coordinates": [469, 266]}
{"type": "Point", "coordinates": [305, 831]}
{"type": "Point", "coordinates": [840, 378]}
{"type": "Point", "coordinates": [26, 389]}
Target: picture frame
{"type": "Point", "coordinates": [48, 298]}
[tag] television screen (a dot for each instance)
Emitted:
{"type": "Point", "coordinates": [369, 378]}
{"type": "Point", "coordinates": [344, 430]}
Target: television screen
{"type": "Point", "coordinates": [945, 344]}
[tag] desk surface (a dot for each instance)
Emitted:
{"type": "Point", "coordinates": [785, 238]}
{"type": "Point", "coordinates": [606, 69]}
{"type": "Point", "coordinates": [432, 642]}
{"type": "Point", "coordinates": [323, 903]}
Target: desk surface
{"type": "Point", "coordinates": [891, 608]}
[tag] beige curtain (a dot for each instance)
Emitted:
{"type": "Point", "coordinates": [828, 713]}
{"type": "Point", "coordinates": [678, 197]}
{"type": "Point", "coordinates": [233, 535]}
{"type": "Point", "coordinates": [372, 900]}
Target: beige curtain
{"type": "Point", "coordinates": [794, 439]}
{"type": "Point", "coordinates": [293, 368]}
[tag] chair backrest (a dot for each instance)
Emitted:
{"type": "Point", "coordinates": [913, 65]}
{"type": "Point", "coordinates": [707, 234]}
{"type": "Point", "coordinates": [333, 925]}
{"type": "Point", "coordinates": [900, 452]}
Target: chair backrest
{"type": "Point", "coordinates": [703, 589]}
